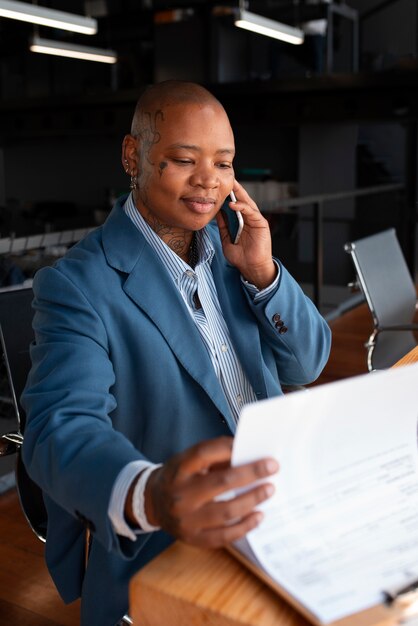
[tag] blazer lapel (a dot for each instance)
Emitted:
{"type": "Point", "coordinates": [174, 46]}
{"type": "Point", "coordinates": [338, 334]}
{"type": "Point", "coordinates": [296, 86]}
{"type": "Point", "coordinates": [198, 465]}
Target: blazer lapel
{"type": "Point", "coordinates": [154, 292]}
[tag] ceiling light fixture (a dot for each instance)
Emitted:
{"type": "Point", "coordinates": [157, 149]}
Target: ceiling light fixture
{"type": "Point", "coordinates": [270, 28]}
{"type": "Point", "coordinates": [43, 16]}
{"type": "Point", "coordinates": [73, 51]}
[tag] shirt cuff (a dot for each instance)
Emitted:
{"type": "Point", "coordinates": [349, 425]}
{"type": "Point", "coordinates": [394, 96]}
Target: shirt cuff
{"type": "Point", "coordinates": [116, 510]}
{"type": "Point", "coordinates": [138, 501]}
{"type": "Point", "coordinates": [258, 295]}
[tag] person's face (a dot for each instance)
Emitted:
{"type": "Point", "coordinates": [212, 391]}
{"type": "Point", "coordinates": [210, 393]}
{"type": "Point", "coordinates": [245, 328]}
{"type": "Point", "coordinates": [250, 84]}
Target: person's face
{"type": "Point", "coordinates": [185, 168]}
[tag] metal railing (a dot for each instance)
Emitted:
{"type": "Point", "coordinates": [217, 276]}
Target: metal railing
{"type": "Point", "coordinates": [10, 245]}
{"type": "Point", "coordinates": [18, 245]}
{"type": "Point", "coordinates": [317, 201]}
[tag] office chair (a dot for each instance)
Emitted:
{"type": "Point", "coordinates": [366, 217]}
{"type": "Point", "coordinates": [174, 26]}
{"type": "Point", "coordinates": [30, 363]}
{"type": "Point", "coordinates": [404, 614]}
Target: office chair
{"type": "Point", "coordinates": [16, 335]}
{"type": "Point", "coordinates": [390, 293]}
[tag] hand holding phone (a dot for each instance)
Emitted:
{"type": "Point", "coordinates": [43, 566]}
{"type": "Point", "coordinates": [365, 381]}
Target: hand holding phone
{"type": "Point", "coordinates": [235, 220]}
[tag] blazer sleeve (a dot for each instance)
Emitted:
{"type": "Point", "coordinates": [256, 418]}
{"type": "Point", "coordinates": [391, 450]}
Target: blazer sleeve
{"type": "Point", "coordinates": [71, 449]}
{"type": "Point", "coordinates": [295, 331]}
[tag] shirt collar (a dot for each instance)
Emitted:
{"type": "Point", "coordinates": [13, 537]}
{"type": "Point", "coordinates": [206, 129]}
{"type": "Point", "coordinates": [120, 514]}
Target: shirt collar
{"type": "Point", "coordinates": [171, 261]}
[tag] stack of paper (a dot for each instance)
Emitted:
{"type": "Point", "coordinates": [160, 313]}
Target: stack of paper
{"type": "Point", "coordinates": [342, 527]}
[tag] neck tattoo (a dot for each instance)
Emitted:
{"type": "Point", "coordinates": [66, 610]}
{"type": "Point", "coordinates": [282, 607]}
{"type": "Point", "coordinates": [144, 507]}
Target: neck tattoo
{"type": "Point", "coordinates": [177, 240]}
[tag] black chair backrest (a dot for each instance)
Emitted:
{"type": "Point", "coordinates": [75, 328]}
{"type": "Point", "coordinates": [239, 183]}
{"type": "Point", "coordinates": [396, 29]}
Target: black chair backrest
{"type": "Point", "coordinates": [16, 335]}
{"type": "Point", "coordinates": [16, 316]}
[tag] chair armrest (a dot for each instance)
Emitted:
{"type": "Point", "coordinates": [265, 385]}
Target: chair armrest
{"type": "Point", "coordinates": [398, 327]}
{"type": "Point", "coordinates": [10, 443]}
{"type": "Point", "coordinates": [292, 388]}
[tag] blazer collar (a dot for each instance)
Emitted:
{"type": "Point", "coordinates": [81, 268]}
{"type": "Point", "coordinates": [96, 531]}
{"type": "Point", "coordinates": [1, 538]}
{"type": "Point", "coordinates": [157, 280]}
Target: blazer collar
{"type": "Point", "coordinates": [122, 242]}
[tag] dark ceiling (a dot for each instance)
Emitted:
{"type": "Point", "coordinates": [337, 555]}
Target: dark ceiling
{"type": "Point", "coordinates": [186, 39]}
{"type": "Point", "coordinates": [147, 36]}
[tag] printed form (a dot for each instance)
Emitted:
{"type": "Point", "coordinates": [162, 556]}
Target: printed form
{"type": "Point", "coordinates": [342, 526]}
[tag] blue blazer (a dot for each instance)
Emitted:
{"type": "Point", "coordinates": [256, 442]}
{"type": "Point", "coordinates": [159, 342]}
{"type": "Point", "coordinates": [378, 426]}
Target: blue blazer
{"type": "Point", "coordinates": [119, 373]}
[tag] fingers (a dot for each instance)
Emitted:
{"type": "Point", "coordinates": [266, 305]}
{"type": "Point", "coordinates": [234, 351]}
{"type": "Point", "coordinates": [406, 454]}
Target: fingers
{"type": "Point", "coordinates": [202, 489]}
{"type": "Point", "coordinates": [228, 512]}
{"type": "Point", "coordinates": [202, 477]}
{"type": "Point", "coordinates": [253, 218]}
{"type": "Point", "coordinates": [252, 215]}
{"type": "Point", "coordinates": [181, 495]}
{"type": "Point", "coordinates": [244, 200]}
{"type": "Point", "coordinates": [225, 535]}
{"type": "Point", "coordinates": [219, 523]}
{"type": "Point", "coordinates": [200, 457]}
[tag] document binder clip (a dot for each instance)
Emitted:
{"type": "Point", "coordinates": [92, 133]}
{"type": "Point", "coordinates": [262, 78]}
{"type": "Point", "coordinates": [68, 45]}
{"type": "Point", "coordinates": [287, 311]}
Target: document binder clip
{"type": "Point", "coordinates": [403, 599]}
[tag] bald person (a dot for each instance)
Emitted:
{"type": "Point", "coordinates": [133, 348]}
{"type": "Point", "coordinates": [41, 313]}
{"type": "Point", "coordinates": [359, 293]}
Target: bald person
{"type": "Point", "coordinates": [151, 335]}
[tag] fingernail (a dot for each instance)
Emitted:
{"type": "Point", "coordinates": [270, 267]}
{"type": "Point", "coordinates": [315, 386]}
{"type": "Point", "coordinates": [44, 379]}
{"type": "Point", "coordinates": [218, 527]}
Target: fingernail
{"type": "Point", "coordinates": [269, 490]}
{"type": "Point", "coordinates": [272, 466]}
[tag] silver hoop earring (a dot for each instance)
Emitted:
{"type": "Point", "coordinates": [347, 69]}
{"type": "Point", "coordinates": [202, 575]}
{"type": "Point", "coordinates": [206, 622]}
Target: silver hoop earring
{"type": "Point", "coordinates": [134, 183]}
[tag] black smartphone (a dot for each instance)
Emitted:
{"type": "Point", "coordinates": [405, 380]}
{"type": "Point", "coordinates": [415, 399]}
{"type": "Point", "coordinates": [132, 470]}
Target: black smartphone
{"type": "Point", "coordinates": [234, 219]}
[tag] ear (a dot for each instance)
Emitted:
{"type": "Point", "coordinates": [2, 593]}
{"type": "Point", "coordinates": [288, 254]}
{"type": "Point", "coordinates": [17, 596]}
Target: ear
{"type": "Point", "coordinates": [130, 155]}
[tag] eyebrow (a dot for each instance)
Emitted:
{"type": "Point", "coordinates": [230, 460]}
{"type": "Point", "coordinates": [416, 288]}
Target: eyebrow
{"type": "Point", "coordinates": [198, 149]}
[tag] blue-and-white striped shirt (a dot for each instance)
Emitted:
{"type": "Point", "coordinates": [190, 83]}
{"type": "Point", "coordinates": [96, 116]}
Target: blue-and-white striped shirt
{"type": "Point", "coordinates": [211, 326]}
{"type": "Point", "coordinates": [208, 318]}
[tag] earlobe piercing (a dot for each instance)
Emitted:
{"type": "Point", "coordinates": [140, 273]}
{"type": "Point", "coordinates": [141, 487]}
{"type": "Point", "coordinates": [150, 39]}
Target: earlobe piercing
{"type": "Point", "coordinates": [134, 178]}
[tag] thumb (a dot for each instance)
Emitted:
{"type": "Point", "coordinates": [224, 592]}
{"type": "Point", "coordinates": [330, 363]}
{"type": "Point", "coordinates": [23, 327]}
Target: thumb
{"type": "Point", "coordinates": [201, 456]}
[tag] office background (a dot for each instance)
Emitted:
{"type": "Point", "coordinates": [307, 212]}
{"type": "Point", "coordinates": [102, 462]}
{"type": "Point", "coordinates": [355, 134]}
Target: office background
{"type": "Point", "coordinates": [326, 136]}
{"type": "Point", "coordinates": [304, 123]}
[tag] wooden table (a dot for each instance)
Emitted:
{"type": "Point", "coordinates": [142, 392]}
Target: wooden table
{"type": "Point", "coordinates": [408, 359]}
{"type": "Point", "coordinates": [187, 586]}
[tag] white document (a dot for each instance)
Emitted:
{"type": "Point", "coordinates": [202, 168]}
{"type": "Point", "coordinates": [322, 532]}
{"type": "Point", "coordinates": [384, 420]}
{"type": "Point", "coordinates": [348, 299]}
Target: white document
{"type": "Point", "coordinates": [342, 526]}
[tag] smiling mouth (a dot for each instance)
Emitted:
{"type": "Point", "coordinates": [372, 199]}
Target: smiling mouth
{"type": "Point", "coordinates": [200, 205]}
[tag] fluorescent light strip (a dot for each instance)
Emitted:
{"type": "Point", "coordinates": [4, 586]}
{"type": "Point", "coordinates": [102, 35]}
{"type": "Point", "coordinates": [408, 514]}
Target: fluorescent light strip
{"type": "Point", "coordinates": [47, 17]}
{"type": "Point", "coordinates": [270, 28]}
{"type": "Point", "coordinates": [73, 51]}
